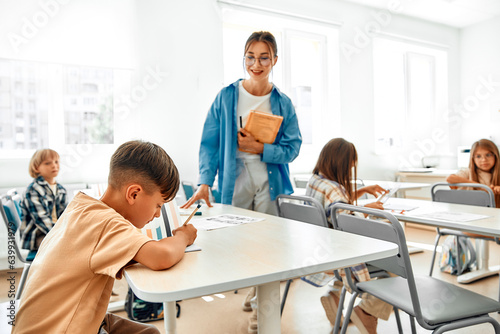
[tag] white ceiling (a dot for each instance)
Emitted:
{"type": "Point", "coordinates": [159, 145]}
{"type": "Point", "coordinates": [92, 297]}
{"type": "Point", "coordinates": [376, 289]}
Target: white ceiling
{"type": "Point", "coordinates": [455, 13]}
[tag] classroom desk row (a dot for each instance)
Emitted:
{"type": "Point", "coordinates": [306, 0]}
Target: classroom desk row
{"type": "Point", "coordinates": [454, 216]}
{"type": "Point", "coordinates": [255, 254]}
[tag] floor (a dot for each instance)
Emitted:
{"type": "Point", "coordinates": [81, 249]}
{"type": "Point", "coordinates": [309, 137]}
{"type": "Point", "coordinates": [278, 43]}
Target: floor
{"type": "Point", "coordinates": [303, 313]}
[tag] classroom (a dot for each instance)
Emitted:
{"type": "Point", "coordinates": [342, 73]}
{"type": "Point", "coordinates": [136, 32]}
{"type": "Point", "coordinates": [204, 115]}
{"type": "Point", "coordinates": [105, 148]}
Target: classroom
{"type": "Point", "coordinates": [411, 83]}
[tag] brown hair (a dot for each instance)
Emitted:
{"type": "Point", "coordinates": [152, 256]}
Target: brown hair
{"type": "Point", "coordinates": [266, 37]}
{"type": "Point", "coordinates": [337, 162]}
{"type": "Point", "coordinates": [38, 158]}
{"type": "Point", "coordinates": [146, 164]}
{"type": "Point", "coordinates": [495, 171]}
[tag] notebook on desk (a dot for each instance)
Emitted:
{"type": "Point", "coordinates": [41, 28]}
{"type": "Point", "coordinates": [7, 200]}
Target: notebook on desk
{"type": "Point", "coordinates": [172, 220]}
{"type": "Point", "coordinates": [163, 226]}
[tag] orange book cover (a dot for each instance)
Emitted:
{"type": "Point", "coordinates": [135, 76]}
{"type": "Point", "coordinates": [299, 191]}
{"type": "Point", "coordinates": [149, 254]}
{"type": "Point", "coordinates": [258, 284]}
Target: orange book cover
{"type": "Point", "coordinates": [263, 126]}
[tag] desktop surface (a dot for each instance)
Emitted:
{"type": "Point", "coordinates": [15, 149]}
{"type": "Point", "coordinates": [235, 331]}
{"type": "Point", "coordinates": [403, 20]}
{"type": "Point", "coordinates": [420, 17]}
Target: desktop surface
{"type": "Point", "coordinates": [274, 249]}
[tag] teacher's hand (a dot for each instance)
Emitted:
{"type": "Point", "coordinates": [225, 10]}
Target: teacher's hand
{"type": "Point", "coordinates": [201, 193]}
{"type": "Point", "coordinates": [248, 143]}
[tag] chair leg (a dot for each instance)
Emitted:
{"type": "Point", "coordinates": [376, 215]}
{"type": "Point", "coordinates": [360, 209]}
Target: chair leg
{"type": "Point", "coordinates": [285, 294]}
{"type": "Point", "coordinates": [24, 275]}
{"type": "Point", "coordinates": [459, 259]}
{"type": "Point", "coordinates": [338, 317]}
{"type": "Point", "coordinates": [398, 320]}
{"type": "Point", "coordinates": [412, 323]}
{"type": "Point", "coordinates": [438, 236]}
{"type": "Point", "coordinates": [348, 312]}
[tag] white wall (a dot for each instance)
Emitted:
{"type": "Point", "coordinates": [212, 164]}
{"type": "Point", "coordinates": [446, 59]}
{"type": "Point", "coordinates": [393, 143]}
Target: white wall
{"type": "Point", "coordinates": [480, 77]}
{"type": "Point", "coordinates": [182, 40]}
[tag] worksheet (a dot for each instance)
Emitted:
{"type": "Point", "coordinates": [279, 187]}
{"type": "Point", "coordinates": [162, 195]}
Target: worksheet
{"type": "Point", "coordinates": [221, 221]}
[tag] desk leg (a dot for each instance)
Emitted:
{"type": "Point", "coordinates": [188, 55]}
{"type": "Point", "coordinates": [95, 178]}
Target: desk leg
{"type": "Point", "coordinates": [170, 319]}
{"type": "Point", "coordinates": [483, 270]}
{"type": "Point", "coordinates": [268, 301]}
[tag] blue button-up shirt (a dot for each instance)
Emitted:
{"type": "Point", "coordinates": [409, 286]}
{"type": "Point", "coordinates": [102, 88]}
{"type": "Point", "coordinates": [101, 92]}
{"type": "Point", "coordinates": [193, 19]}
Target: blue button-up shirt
{"type": "Point", "coordinates": [219, 144]}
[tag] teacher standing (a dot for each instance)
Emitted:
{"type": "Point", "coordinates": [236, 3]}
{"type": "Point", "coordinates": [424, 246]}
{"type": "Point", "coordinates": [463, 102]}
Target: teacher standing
{"type": "Point", "coordinates": [249, 180]}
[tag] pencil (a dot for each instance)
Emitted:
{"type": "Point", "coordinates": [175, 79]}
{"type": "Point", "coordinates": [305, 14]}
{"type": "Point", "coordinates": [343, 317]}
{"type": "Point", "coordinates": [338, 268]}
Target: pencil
{"type": "Point", "coordinates": [241, 122]}
{"type": "Point", "coordinates": [192, 214]}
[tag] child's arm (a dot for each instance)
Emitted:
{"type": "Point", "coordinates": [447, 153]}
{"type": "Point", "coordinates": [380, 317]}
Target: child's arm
{"type": "Point", "coordinates": [374, 190]}
{"type": "Point", "coordinates": [165, 253]}
{"type": "Point", "coordinates": [453, 178]}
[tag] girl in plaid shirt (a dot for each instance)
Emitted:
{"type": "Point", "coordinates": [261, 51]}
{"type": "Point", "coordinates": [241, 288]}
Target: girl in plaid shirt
{"type": "Point", "coordinates": [331, 183]}
{"type": "Point", "coordinates": [44, 200]}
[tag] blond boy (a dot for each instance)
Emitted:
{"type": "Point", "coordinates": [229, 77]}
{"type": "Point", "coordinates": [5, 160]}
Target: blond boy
{"type": "Point", "coordinates": [70, 281]}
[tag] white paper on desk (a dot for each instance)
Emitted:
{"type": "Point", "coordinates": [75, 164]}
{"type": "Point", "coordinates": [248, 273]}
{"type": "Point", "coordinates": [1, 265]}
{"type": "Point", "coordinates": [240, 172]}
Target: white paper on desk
{"type": "Point", "coordinates": [220, 221]}
{"type": "Point", "coordinates": [192, 248]}
{"type": "Point", "coordinates": [398, 207]}
{"type": "Point", "coordinates": [453, 216]}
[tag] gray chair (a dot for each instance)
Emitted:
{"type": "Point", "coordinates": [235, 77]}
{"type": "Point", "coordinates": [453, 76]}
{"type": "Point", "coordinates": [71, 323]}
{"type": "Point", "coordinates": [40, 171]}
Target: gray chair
{"type": "Point", "coordinates": [484, 197]}
{"type": "Point", "coordinates": [308, 210]}
{"type": "Point", "coordinates": [12, 222]}
{"type": "Point", "coordinates": [436, 305]}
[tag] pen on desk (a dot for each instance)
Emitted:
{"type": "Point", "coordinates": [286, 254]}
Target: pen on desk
{"type": "Point", "coordinates": [192, 214]}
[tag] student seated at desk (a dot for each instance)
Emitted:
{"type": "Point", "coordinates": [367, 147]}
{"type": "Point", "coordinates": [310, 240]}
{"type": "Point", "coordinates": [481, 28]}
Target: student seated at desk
{"type": "Point", "coordinates": [43, 202]}
{"type": "Point", "coordinates": [70, 280]}
{"type": "Point", "coordinates": [484, 168]}
{"type": "Point", "coordinates": [330, 184]}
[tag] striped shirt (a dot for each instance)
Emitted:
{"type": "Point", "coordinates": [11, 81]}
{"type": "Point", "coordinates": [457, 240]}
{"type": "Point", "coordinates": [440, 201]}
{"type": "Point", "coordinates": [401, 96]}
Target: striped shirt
{"type": "Point", "coordinates": [329, 192]}
{"type": "Point", "coordinates": [37, 207]}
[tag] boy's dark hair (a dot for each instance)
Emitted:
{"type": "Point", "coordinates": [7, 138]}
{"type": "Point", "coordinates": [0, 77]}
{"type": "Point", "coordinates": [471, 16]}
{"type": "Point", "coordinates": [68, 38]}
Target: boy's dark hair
{"type": "Point", "coordinates": [146, 164]}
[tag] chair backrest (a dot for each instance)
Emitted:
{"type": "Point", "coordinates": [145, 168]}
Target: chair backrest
{"type": "Point", "coordinates": [11, 220]}
{"type": "Point", "coordinates": [188, 188]}
{"type": "Point", "coordinates": [386, 228]}
{"type": "Point", "coordinates": [302, 208]}
{"type": "Point", "coordinates": [484, 197]}
{"type": "Point", "coordinates": [12, 210]}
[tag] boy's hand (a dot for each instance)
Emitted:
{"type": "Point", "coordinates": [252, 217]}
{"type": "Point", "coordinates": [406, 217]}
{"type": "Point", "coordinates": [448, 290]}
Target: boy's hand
{"type": "Point", "coordinates": [189, 230]}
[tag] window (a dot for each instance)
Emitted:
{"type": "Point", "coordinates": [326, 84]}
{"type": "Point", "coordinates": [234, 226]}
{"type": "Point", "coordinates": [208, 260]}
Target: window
{"type": "Point", "coordinates": [410, 95]}
{"type": "Point", "coordinates": [307, 70]}
{"type": "Point", "coordinates": [47, 97]}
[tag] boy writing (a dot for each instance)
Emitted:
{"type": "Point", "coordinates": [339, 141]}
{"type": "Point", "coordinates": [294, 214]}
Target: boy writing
{"type": "Point", "coordinates": [70, 280]}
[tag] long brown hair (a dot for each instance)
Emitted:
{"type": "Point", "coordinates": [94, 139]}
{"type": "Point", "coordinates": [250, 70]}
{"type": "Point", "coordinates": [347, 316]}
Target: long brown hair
{"type": "Point", "coordinates": [338, 162]}
{"type": "Point", "coordinates": [495, 171]}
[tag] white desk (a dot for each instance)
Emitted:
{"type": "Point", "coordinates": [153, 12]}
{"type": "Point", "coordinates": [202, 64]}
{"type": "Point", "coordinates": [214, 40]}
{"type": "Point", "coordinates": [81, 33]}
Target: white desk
{"type": "Point", "coordinates": [487, 226]}
{"type": "Point", "coordinates": [302, 179]}
{"type": "Point", "coordinates": [257, 254]}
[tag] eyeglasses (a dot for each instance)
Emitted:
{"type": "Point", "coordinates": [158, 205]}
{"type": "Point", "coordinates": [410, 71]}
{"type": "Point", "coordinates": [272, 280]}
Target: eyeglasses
{"type": "Point", "coordinates": [264, 61]}
{"type": "Point", "coordinates": [487, 156]}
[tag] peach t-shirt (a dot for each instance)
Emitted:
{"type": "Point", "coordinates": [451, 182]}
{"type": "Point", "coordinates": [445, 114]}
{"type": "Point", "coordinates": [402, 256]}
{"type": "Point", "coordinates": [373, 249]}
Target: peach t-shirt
{"type": "Point", "coordinates": [70, 281]}
{"type": "Point", "coordinates": [483, 177]}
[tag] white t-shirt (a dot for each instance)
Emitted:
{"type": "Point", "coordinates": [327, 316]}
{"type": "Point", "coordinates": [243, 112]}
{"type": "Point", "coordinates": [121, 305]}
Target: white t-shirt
{"type": "Point", "coordinates": [246, 103]}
